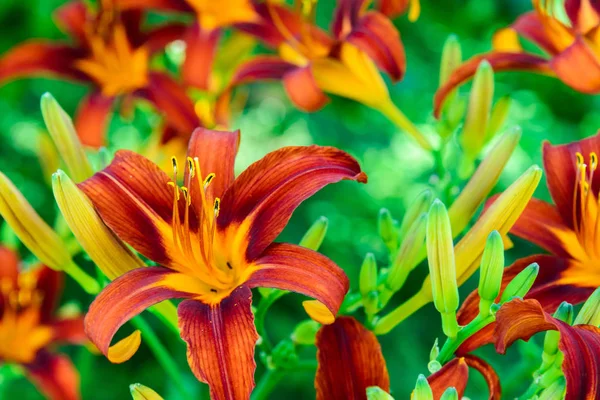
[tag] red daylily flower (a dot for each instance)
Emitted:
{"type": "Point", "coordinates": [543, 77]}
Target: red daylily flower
{"type": "Point", "coordinates": [568, 230]}
{"type": "Point", "coordinates": [110, 52]}
{"type": "Point", "coordinates": [350, 361]}
{"type": "Point", "coordinates": [300, 44]}
{"type": "Point", "coordinates": [29, 328]}
{"type": "Point", "coordinates": [580, 344]}
{"type": "Point", "coordinates": [571, 48]}
{"type": "Point", "coordinates": [214, 241]}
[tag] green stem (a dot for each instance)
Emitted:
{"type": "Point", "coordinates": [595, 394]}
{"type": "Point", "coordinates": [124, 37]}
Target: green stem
{"type": "Point", "coordinates": [260, 316]}
{"type": "Point", "coordinates": [267, 383]}
{"type": "Point", "coordinates": [167, 313]}
{"type": "Point", "coordinates": [400, 313]}
{"type": "Point", "coordinates": [161, 353]}
{"type": "Point", "coordinates": [451, 345]}
{"type": "Point", "coordinates": [351, 303]}
{"type": "Point", "coordinates": [89, 284]}
{"type": "Point", "coordinates": [394, 114]}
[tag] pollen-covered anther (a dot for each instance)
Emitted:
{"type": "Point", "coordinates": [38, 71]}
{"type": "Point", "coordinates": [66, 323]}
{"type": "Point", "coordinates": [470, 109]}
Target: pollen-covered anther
{"type": "Point", "coordinates": [217, 206]}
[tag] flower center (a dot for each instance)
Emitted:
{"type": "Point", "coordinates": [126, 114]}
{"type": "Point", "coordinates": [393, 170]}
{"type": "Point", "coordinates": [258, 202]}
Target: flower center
{"type": "Point", "coordinates": [586, 216]}
{"type": "Point", "coordinates": [112, 63]}
{"type": "Point", "coordinates": [21, 334]}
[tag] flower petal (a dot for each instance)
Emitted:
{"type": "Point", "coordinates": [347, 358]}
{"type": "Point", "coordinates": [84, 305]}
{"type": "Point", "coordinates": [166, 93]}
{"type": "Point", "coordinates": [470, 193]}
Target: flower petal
{"type": "Point", "coordinates": [290, 267]}
{"type": "Point", "coordinates": [55, 376]}
{"type": "Point", "coordinates": [580, 344]}
{"type": "Point", "coordinates": [262, 199]}
{"type": "Point", "coordinates": [71, 18]}
{"type": "Point", "coordinates": [93, 116]}
{"type": "Point", "coordinates": [156, 39]}
{"type": "Point", "coordinates": [262, 68]}
{"type": "Point", "coordinates": [126, 297]}
{"type": "Point", "coordinates": [69, 330]}
{"type": "Point", "coordinates": [302, 89]}
{"type": "Point", "coordinates": [584, 14]}
{"type": "Point", "coordinates": [378, 37]}
{"type": "Point", "coordinates": [9, 264]}
{"type": "Point", "coordinates": [488, 373]}
{"type": "Point", "coordinates": [162, 5]}
{"type": "Point", "coordinates": [216, 151]}
{"type": "Point", "coordinates": [499, 61]}
{"type": "Point", "coordinates": [453, 374]}
{"type": "Point", "coordinates": [221, 340]}
{"type": "Point", "coordinates": [201, 46]}
{"type": "Point", "coordinates": [268, 31]}
{"type": "Point", "coordinates": [50, 284]}
{"type": "Point", "coordinates": [40, 58]}
{"type": "Point", "coordinates": [579, 67]}
{"type": "Point", "coordinates": [531, 27]}
{"type": "Point", "coordinates": [350, 361]}
{"type": "Point", "coordinates": [133, 198]}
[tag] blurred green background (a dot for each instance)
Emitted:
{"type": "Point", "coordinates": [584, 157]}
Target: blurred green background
{"type": "Point", "coordinates": [397, 170]}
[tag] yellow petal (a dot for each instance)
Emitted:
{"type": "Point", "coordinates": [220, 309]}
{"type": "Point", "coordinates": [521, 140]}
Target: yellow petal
{"type": "Point", "coordinates": [124, 349]}
{"type": "Point", "coordinates": [318, 312]}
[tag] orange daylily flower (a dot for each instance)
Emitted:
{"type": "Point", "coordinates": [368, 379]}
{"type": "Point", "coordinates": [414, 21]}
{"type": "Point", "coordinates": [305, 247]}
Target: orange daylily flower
{"type": "Point", "coordinates": [110, 52]}
{"type": "Point", "coordinates": [213, 238]}
{"type": "Point", "coordinates": [29, 327]}
{"type": "Point", "coordinates": [571, 47]}
{"type": "Point", "coordinates": [568, 230]}
{"type": "Point", "coordinates": [350, 361]}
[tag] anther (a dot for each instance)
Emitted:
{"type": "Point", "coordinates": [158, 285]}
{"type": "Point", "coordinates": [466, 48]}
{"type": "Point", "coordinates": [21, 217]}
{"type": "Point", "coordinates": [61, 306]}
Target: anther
{"type": "Point", "coordinates": [186, 195]}
{"type": "Point", "coordinates": [593, 161]}
{"type": "Point", "coordinates": [217, 206]}
{"type": "Point", "coordinates": [208, 179]}
{"type": "Point", "coordinates": [174, 162]}
{"type": "Point", "coordinates": [579, 158]}
{"type": "Point", "coordinates": [191, 167]}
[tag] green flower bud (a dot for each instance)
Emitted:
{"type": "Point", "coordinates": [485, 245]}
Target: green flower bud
{"type": "Point", "coordinates": [440, 254]}
{"type": "Point", "coordinates": [305, 332]}
{"type": "Point", "coordinates": [422, 389]}
{"type": "Point", "coordinates": [492, 268]}
{"type": "Point", "coordinates": [451, 58]}
{"type": "Point", "coordinates": [141, 392]}
{"type": "Point", "coordinates": [313, 238]}
{"type": "Point", "coordinates": [564, 312]}
{"type": "Point", "coordinates": [284, 354]}
{"type": "Point", "coordinates": [498, 117]}
{"type": "Point", "coordinates": [67, 142]}
{"type": "Point", "coordinates": [419, 206]}
{"type": "Point", "coordinates": [368, 275]}
{"type": "Point", "coordinates": [520, 284]}
{"type": "Point", "coordinates": [388, 230]}
{"type": "Point", "coordinates": [377, 393]}
{"type": "Point", "coordinates": [435, 351]}
{"type": "Point", "coordinates": [450, 394]}
{"type": "Point", "coordinates": [555, 391]}
{"type": "Point", "coordinates": [590, 312]}
{"type": "Point", "coordinates": [478, 114]}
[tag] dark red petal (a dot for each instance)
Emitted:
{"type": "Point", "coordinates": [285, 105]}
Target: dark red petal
{"type": "Point", "coordinates": [201, 46]}
{"type": "Point", "coordinates": [262, 68]}
{"type": "Point", "coordinates": [9, 264]}
{"type": "Point", "coordinates": [346, 15]}
{"type": "Point", "coordinates": [92, 118]}
{"type": "Point", "coordinates": [561, 172]}
{"type": "Point", "coordinates": [488, 373]}
{"type": "Point", "coordinates": [301, 87]}
{"type": "Point", "coordinates": [162, 5]}
{"type": "Point", "coordinates": [267, 31]}
{"type": "Point", "coordinates": [69, 330]}
{"type": "Point", "coordinates": [156, 39]}
{"type": "Point", "coordinates": [55, 376]}
{"type": "Point", "coordinates": [498, 61]}
{"type": "Point", "coordinates": [126, 297]}
{"type": "Point", "coordinates": [71, 18]}
{"type": "Point", "coordinates": [393, 8]}
{"type": "Point", "coordinates": [216, 151]}
{"type": "Point", "coordinates": [578, 66]}
{"type": "Point", "coordinates": [584, 14]}
{"type": "Point", "coordinates": [453, 374]}
{"type": "Point", "coordinates": [40, 58]}
{"type": "Point", "coordinates": [580, 344]}
{"type": "Point", "coordinates": [50, 284]}
{"type": "Point", "coordinates": [378, 37]}
{"type": "Point", "coordinates": [266, 194]}
{"type": "Point", "coordinates": [350, 361]}
{"type": "Point", "coordinates": [290, 267]}
{"type": "Point", "coordinates": [221, 340]}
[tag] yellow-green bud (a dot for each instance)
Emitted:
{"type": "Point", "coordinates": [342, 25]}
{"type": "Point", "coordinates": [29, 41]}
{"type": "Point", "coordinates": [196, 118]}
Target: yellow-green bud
{"type": "Point", "coordinates": [498, 117]}
{"type": "Point", "coordinates": [422, 389]}
{"type": "Point", "coordinates": [555, 391]}
{"type": "Point", "coordinates": [564, 313]}
{"type": "Point", "coordinates": [520, 284]}
{"type": "Point", "coordinates": [419, 206]}
{"type": "Point", "coordinates": [141, 392]}
{"type": "Point", "coordinates": [388, 230]}
{"type": "Point", "coordinates": [450, 394]}
{"type": "Point", "coordinates": [590, 312]}
{"type": "Point", "coordinates": [368, 275]}
{"type": "Point", "coordinates": [440, 255]}
{"type": "Point", "coordinates": [313, 238]}
{"type": "Point", "coordinates": [492, 268]}
{"type": "Point", "coordinates": [451, 58]}
{"type": "Point", "coordinates": [377, 393]}
{"type": "Point", "coordinates": [478, 114]}
{"type": "Point", "coordinates": [65, 138]}
{"type": "Point", "coordinates": [305, 332]}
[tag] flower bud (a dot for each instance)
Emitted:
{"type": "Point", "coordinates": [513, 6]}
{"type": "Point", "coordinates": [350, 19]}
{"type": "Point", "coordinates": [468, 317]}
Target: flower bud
{"type": "Point", "coordinates": [564, 313]}
{"type": "Point", "coordinates": [141, 392]}
{"type": "Point", "coordinates": [483, 181]}
{"type": "Point", "coordinates": [422, 389]}
{"type": "Point", "coordinates": [387, 230]}
{"type": "Point", "coordinates": [492, 268]}
{"type": "Point", "coordinates": [318, 312]}
{"type": "Point", "coordinates": [305, 332]}
{"type": "Point", "coordinates": [47, 155]}
{"type": "Point", "coordinates": [63, 134]}
{"type": "Point", "coordinates": [377, 393]}
{"type": "Point", "coordinates": [368, 275]}
{"type": "Point", "coordinates": [554, 391]}
{"type": "Point", "coordinates": [520, 284]}
{"type": "Point", "coordinates": [478, 114]}
{"type": "Point", "coordinates": [590, 312]}
{"type": "Point", "coordinates": [442, 270]}
{"type": "Point", "coordinates": [450, 394]}
{"type": "Point", "coordinates": [498, 117]}
{"type": "Point", "coordinates": [111, 255]}
{"type": "Point", "coordinates": [451, 58]}
{"type": "Point", "coordinates": [313, 238]}
{"type": "Point", "coordinates": [419, 206]}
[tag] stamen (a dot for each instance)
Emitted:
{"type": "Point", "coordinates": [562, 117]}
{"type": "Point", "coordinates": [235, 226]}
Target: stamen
{"type": "Point", "coordinates": [191, 167]}
{"type": "Point", "coordinates": [209, 178]}
{"type": "Point", "coordinates": [174, 162]}
{"type": "Point", "coordinates": [217, 206]}
{"type": "Point", "coordinates": [186, 195]}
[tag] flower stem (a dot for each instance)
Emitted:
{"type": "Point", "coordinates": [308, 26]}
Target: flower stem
{"type": "Point", "coordinates": [161, 353]}
{"type": "Point", "coordinates": [89, 284]}
{"type": "Point", "coordinates": [451, 345]}
{"type": "Point", "coordinates": [267, 383]}
{"type": "Point", "coordinates": [400, 313]}
{"type": "Point", "coordinates": [395, 115]}
{"type": "Point", "coordinates": [261, 313]}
